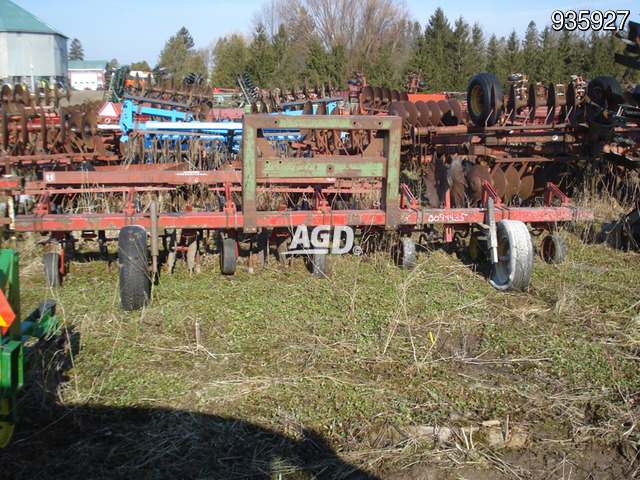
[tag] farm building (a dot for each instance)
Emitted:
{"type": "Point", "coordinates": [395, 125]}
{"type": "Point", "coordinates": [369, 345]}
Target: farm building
{"type": "Point", "coordinates": [87, 74]}
{"type": "Point", "coordinates": [30, 49]}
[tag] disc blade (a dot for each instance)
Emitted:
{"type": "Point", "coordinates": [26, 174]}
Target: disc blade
{"type": "Point", "coordinates": [475, 177]}
{"type": "Point", "coordinates": [457, 182]}
{"type": "Point", "coordinates": [424, 114]}
{"type": "Point", "coordinates": [513, 182]}
{"type": "Point", "coordinates": [499, 181]}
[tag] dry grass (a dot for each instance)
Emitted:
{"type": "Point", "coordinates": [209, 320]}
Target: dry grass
{"type": "Point", "coordinates": [281, 375]}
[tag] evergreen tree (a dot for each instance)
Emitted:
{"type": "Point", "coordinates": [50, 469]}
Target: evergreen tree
{"type": "Point", "coordinates": [260, 65]}
{"type": "Point", "coordinates": [513, 57]}
{"type": "Point", "coordinates": [75, 51]}
{"type": "Point", "coordinates": [462, 52]}
{"type": "Point", "coordinates": [179, 58]}
{"type": "Point", "coordinates": [186, 38]}
{"type": "Point", "coordinates": [531, 53]}
{"type": "Point", "coordinates": [230, 55]}
{"type": "Point", "coordinates": [495, 59]}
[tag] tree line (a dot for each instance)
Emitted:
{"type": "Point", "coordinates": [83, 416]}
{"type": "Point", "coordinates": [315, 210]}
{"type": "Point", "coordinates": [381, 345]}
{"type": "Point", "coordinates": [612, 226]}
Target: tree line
{"type": "Point", "coordinates": [331, 38]}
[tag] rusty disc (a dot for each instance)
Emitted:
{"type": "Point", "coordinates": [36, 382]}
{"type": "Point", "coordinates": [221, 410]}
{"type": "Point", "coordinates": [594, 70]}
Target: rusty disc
{"type": "Point", "coordinates": [456, 108]}
{"type": "Point", "coordinates": [412, 112]}
{"type": "Point", "coordinates": [403, 96]}
{"type": "Point", "coordinates": [366, 98]}
{"type": "Point", "coordinates": [436, 182]}
{"type": "Point", "coordinates": [386, 96]}
{"type": "Point", "coordinates": [43, 127]}
{"type": "Point", "coordinates": [21, 94]}
{"type": "Point", "coordinates": [24, 132]}
{"type": "Point", "coordinates": [4, 127]}
{"type": "Point", "coordinates": [377, 96]}
{"type": "Point", "coordinates": [526, 182]}
{"type": "Point", "coordinates": [7, 93]}
{"type": "Point", "coordinates": [62, 114]}
{"type": "Point", "coordinates": [56, 96]}
{"type": "Point", "coordinates": [395, 95]}
{"type": "Point", "coordinates": [513, 182]}
{"type": "Point", "coordinates": [89, 128]}
{"type": "Point", "coordinates": [75, 126]}
{"type": "Point", "coordinates": [436, 114]}
{"type": "Point", "coordinates": [457, 182]}
{"type": "Point", "coordinates": [499, 180]}
{"type": "Point", "coordinates": [447, 114]}
{"type": "Point", "coordinates": [397, 109]}
{"type": "Point", "coordinates": [322, 109]}
{"type": "Point", "coordinates": [424, 114]}
{"type": "Point", "coordinates": [475, 177]}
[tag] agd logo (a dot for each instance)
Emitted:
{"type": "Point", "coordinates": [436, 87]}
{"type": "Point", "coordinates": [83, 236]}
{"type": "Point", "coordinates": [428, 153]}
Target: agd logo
{"type": "Point", "coordinates": [323, 240]}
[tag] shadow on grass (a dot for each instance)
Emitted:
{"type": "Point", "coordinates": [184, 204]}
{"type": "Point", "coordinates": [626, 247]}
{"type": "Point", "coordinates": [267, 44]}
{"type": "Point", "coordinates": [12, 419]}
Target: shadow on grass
{"type": "Point", "coordinates": [54, 441]}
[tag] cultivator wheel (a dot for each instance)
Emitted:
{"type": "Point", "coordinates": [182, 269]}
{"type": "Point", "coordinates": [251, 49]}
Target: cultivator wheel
{"type": "Point", "coordinates": [133, 266]}
{"type": "Point", "coordinates": [53, 269]}
{"type": "Point", "coordinates": [406, 253]}
{"type": "Point", "coordinates": [514, 268]}
{"type": "Point", "coordinates": [228, 256]}
{"type": "Point", "coordinates": [553, 249]}
{"type": "Point", "coordinates": [317, 264]}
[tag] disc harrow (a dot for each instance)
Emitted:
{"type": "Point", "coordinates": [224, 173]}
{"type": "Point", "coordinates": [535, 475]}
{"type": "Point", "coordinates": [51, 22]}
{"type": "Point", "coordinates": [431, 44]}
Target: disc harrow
{"type": "Point", "coordinates": [538, 133]}
{"type": "Point", "coordinates": [37, 131]}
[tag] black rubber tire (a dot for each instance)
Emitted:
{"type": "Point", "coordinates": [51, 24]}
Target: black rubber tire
{"type": "Point", "coordinates": [599, 85]}
{"type": "Point", "coordinates": [228, 258]}
{"type": "Point", "coordinates": [281, 248]}
{"type": "Point", "coordinates": [485, 99]}
{"type": "Point", "coordinates": [263, 245]}
{"type": "Point", "coordinates": [553, 249]}
{"type": "Point", "coordinates": [318, 264]}
{"type": "Point", "coordinates": [406, 253]}
{"type": "Point", "coordinates": [52, 269]}
{"type": "Point", "coordinates": [515, 257]}
{"type": "Point", "coordinates": [133, 263]}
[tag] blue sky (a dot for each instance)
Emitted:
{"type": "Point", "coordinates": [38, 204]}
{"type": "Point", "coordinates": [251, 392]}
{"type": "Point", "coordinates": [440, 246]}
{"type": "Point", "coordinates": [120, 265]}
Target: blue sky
{"type": "Point", "coordinates": [137, 30]}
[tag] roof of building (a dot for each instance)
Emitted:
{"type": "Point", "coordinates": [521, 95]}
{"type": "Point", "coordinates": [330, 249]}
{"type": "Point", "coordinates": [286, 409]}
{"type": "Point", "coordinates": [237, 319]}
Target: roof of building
{"type": "Point", "coordinates": [16, 19]}
{"type": "Point", "coordinates": [87, 64]}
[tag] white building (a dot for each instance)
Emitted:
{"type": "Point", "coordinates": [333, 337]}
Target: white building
{"type": "Point", "coordinates": [87, 74]}
{"type": "Point", "coordinates": [30, 49]}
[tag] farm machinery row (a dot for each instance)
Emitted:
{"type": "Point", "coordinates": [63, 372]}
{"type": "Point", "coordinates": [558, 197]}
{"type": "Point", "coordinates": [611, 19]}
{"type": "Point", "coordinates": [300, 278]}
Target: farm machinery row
{"type": "Point", "coordinates": [437, 168]}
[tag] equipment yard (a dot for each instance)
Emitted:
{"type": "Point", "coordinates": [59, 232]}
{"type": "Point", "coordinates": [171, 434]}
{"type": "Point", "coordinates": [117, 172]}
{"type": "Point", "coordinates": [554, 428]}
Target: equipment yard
{"type": "Point", "coordinates": [325, 279]}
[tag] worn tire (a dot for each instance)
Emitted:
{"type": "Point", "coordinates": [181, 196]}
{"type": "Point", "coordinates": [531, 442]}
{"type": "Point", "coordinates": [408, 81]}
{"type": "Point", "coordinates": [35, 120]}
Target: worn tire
{"type": "Point", "coordinates": [515, 257]}
{"type": "Point", "coordinates": [133, 262]}
{"type": "Point", "coordinates": [318, 264]}
{"type": "Point", "coordinates": [406, 253]}
{"type": "Point", "coordinates": [52, 269]}
{"type": "Point", "coordinates": [484, 99]}
{"type": "Point", "coordinates": [553, 249]}
{"type": "Point", "coordinates": [263, 244]}
{"type": "Point", "coordinates": [598, 87]}
{"type": "Point", "coordinates": [228, 258]}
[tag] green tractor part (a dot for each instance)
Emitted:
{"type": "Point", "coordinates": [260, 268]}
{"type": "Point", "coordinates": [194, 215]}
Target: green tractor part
{"type": "Point", "coordinates": [15, 334]}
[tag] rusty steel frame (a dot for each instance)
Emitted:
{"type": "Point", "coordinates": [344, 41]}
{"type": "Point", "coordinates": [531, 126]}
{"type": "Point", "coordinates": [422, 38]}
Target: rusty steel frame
{"type": "Point", "coordinates": [379, 162]}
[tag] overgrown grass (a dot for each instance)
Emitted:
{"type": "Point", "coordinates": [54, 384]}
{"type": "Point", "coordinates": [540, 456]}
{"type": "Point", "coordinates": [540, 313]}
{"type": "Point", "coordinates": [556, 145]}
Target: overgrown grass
{"type": "Point", "coordinates": [363, 359]}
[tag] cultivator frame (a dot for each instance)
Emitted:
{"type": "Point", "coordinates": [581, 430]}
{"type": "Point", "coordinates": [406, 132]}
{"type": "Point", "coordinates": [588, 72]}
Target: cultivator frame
{"type": "Point", "coordinates": [373, 159]}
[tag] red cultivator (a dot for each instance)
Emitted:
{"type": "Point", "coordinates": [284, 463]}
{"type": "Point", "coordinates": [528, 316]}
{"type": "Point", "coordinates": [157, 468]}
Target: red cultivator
{"type": "Point", "coordinates": [279, 190]}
